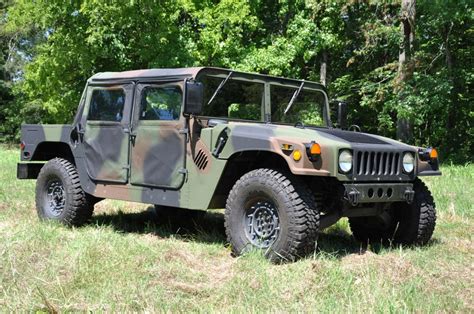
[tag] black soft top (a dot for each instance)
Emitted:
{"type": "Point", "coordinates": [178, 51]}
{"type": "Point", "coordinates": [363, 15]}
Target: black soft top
{"type": "Point", "coordinates": [193, 73]}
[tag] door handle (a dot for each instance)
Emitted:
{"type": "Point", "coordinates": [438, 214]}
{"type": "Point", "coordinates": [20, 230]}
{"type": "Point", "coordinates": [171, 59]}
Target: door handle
{"type": "Point", "coordinates": [77, 134]}
{"type": "Point", "coordinates": [133, 137]}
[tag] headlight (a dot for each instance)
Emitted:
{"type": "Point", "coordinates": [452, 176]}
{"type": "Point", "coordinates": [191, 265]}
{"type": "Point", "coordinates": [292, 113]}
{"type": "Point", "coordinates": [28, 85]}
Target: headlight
{"type": "Point", "coordinates": [345, 161]}
{"type": "Point", "coordinates": [408, 162]}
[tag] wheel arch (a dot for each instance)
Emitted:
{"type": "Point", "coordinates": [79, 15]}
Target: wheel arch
{"type": "Point", "coordinates": [48, 150]}
{"type": "Point", "coordinates": [240, 163]}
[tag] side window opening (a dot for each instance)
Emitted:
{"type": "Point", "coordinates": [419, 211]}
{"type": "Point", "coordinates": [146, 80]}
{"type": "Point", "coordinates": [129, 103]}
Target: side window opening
{"type": "Point", "coordinates": [161, 103]}
{"type": "Point", "coordinates": [107, 105]}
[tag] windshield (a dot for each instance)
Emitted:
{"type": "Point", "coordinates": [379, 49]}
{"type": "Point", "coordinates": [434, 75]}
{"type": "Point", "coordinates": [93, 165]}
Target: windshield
{"type": "Point", "coordinates": [236, 99]}
{"type": "Point", "coordinates": [308, 107]}
{"type": "Point", "coordinates": [232, 97]}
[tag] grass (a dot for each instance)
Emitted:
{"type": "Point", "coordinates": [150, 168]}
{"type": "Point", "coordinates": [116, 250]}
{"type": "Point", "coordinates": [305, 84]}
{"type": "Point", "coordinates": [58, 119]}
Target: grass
{"type": "Point", "coordinates": [128, 259]}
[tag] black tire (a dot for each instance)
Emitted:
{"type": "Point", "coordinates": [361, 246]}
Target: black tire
{"type": "Point", "coordinates": [59, 195]}
{"type": "Point", "coordinates": [281, 207]}
{"type": "Point", "coordinates": [409, 224]}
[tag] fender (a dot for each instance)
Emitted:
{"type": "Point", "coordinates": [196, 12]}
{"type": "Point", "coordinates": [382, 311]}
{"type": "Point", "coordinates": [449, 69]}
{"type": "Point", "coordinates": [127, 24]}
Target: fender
{"type": "Point", "coordinates": [262, 137]}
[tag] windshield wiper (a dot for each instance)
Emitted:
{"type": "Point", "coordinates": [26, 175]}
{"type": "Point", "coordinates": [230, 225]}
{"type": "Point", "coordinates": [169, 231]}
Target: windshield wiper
{"type": "Point", "coordinates": [219, 88]}
{"type": "Point", "coordinates": [293, 98]}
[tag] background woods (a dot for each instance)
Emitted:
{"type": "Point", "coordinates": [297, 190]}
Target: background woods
{"type": "Point", "coordinates": [405, 68]}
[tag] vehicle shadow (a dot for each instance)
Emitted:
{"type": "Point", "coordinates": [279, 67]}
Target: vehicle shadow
{"type": "Point", "coordinates": [194, 225]}
{"type": "Point", "coordinates": [208, 227]}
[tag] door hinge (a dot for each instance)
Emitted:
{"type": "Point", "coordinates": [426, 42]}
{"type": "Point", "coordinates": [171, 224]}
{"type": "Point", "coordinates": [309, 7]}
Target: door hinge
{"type": "Point", "coordinates": [183, 171]}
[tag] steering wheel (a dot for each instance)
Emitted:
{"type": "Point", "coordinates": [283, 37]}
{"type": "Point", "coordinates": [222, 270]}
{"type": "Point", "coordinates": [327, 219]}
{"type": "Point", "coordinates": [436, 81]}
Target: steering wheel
{"type": "Point", "coordinates": [355, 128]}
{"type": "Point", "coordinates": [299, 124]}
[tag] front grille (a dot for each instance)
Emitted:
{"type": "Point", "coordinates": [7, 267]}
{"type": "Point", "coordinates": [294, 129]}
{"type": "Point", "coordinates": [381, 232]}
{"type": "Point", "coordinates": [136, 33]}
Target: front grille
{"type": "Point", "coordinates": [378, 163]}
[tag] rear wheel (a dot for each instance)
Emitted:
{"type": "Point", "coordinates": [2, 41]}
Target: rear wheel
{"type": "Point", "coordinates": [407, 224]}
{"type": "Point", "coordinates": [59, 195]}
{"type": "Point", "coordinates": [273, 212]}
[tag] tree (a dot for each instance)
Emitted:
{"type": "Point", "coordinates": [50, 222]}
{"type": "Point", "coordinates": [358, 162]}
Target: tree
{"type": "Point", "coordinates": [364, 51]}
{"type": "Point", "coordinates": [405, 65]}
{"type": "Point", "coordinates": [6, 95]}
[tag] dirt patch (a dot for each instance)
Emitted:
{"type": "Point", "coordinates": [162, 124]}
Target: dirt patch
{"type": "Point", "coordinates": [3, 207]}
{"type": "Point", "coordinates": [460, 281]}
{"type": "Point", "coordinates": [391, 267]}
{"type": "Point", "coordinates": [462, 245]}
{"type": "Point", "coordinates": [212, 273]}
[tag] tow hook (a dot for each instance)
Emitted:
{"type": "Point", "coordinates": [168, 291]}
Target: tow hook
{"type": "Point", "coordinates": [409, 195]}
{"type": "Point", "coordinates": [353, 197]}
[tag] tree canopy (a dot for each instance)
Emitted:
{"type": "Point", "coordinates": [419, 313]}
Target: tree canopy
{"type": "Point", "coordinates": [48, 49]}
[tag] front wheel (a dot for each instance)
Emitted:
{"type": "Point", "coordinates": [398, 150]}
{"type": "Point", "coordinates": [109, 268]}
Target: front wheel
{"type": "Point", "coordinates": [273, 212]}
{"type": "Point", "coordinates": [59, 195]}
{"type": "Point", "coordinates": [406, 224]}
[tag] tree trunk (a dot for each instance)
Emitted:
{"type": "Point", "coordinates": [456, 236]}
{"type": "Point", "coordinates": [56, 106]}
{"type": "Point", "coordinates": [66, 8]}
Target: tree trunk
{"type": "Point", "coordinates": [323, 68]}
{"type": "Point", "coordinates": [405, 64]}
{"type": "Point", "coordinates": [449, 65]}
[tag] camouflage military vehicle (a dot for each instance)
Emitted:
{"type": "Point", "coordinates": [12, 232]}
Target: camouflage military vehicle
{"type": "Point", "coordinates": [262, 147]}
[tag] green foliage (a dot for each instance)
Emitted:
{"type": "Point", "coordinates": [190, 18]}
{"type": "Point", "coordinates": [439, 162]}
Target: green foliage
{"type": "Point", "coordinates": [58, 45]}
{"type": "Point", "coordinates": [245, 111]}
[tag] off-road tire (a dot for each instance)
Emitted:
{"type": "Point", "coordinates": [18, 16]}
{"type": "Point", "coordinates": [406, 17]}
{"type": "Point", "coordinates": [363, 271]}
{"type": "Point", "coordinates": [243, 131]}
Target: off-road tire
{"type": "Point", "coordinates": [78, 207]}
{"type": "Point", "coordinates": [295, 204]}
{"type": "Point", "coordinates": [411, 224]}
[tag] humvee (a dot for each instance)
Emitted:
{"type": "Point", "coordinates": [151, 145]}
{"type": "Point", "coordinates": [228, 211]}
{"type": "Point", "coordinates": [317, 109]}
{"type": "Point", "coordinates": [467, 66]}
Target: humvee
{"type": "Point", "coordinates": [262, 147]}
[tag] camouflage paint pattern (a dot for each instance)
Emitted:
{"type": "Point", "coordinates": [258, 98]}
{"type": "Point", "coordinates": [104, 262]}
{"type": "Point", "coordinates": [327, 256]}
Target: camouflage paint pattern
{"type": "Point", "coordinates": [170, 162]}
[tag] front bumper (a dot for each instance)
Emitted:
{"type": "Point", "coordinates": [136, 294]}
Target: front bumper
{"type": "Point", "coordinates": [378, 192]}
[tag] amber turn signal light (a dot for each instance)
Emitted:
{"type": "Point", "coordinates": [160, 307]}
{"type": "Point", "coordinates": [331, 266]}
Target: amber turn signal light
{"type": "Point", "coordinates": [313, 150]}
{"type": "Point", "coordinates": [428, 154]}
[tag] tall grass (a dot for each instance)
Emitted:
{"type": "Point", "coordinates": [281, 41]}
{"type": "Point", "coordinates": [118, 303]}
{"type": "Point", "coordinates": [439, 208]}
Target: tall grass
{"type": "Point", "coordinates": [130, 259]}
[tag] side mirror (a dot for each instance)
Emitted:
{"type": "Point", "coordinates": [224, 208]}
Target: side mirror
{"type": "Point", "coordinates": [194, 97]}
{"type": "Point", "coordinates": [342, 114]}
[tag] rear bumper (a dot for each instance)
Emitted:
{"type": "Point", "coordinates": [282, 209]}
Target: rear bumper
{"type": "Point", "coordinates": [28, 170]}
{"type": "Point", "coordinates": [378, 192]}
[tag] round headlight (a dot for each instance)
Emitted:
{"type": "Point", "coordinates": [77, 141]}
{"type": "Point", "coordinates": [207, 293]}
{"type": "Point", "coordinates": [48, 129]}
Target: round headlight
{"type": "Point", "coordinates": [345, 161]}
{"type": "Point", "coordinates": [408, 162]}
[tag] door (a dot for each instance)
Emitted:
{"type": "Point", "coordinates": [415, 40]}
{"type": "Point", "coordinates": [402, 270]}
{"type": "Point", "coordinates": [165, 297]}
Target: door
{"type": "Point", "coordinates": [105, 122]}
{"type": "Point", "coordinates": [158, 136]}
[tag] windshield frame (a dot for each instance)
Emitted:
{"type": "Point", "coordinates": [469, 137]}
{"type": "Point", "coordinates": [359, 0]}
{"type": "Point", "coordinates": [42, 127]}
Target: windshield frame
{"type": "Point", "coordinates": [326, 118]}
{"type": "Point", "coordinates": [267, 81]}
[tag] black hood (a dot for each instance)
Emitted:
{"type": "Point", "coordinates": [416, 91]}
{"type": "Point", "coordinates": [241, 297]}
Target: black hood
{"type": "Point", "coordinates": [353, 137]}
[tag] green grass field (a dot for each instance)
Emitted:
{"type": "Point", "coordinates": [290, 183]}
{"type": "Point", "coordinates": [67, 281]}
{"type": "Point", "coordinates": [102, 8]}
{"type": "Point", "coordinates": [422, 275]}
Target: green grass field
{"type": "Point", "coordinates": [129, 260]}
